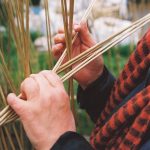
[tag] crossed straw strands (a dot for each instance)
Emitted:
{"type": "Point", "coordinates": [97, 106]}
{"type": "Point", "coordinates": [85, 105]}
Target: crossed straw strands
{"type": "Point", "coordinates": [7, 114]}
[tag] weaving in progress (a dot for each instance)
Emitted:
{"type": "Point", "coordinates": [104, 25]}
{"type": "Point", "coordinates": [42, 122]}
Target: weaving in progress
{"type": "Point", "coordinates": [122, 123]}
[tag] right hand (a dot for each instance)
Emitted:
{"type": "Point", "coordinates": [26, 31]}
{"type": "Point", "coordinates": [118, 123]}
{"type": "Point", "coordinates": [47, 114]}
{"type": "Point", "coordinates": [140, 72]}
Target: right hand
{"type": "Point", "coordinates": [46, 113]}
{"type": "Point", "coordinates": [83, 42]}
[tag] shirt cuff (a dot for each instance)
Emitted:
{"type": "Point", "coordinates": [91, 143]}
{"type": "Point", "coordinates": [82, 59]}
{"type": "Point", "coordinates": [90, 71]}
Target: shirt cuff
{"type": "Point", "coordinates": [71, 141]}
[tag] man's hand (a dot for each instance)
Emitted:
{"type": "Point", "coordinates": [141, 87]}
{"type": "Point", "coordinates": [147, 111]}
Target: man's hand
{"type": "Point", "coordinates": [84, 41]}
{"type": "Point", "coordinates": [46, 114]}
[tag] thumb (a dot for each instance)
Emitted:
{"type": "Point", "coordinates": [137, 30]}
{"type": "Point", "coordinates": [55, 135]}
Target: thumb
{"type": "Point", "coordinates": [17, 104]}
{"type": "Point", "coordinates": [85, 34]}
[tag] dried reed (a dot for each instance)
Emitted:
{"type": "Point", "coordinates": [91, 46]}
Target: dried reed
{"type": "Point", "coordinates": [49, 35]}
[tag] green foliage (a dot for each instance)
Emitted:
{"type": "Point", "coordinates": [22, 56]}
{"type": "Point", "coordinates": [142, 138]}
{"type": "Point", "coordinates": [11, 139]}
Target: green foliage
{"type": "Point", "coordinates": [85, 125]}
{"type": "Point", "coordinates": [35, 35]}
{"type": "Point", "coordinates": [3, 16]}
{"type": "Point", "coordinates": [117, 57]}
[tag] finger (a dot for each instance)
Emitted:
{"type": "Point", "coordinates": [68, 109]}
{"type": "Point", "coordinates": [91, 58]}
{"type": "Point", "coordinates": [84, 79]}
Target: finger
{"type": "Point", "coordinates": [84, 28]}
{"type": "Point", "coordinates": [77, 27]}
{"type": "Point", "coordinates": [57, 78]}
{"type": "Point", "coordinates": [52, 78]}
{"type": "Point", "coordinates": [18, 105]}
{"type": "Point", "coordinates": [42, 82]}
{"type": "Point", "coordinates": [73, 33]}
{"type": "Point", "coordinates": [57, 50]}
{"type": "Point", "coordinates": [29, 88]}
{"type": "Point", "coordinates": [61, 30]}
{"type": "Point", "coordinates": [85, 34]}
{"type": "Point", "coordinates": [59, 38]}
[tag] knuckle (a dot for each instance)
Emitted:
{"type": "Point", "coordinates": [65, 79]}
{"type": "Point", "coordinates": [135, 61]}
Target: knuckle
{"type": "Point", "coordinates": [62, 93]}
{"type": "Point", "coordinates": [60, 45]}
{"type": "Point", "coordinates": [28, 85]}
{"type": "Point", "coordinates": [60, 30]}
{"type": "Point", "coordinates": [55, 37]}
{"type": "Point", "coordinates": [54, 48]}
{"type": "Point", "coordinates": [23, 84]}
{"type": "Point", "coordinates": [58, 38]}
{"type": "Point", "coordinates": [54, 74]}
{"type": "Point", "coordinates": [45, 72]}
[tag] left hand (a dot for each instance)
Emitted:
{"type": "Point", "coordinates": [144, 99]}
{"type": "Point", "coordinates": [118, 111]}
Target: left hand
{"type": "Point", "coordinates": [84, 41]}
{"type": "Point", "coordinates": [46, 114]}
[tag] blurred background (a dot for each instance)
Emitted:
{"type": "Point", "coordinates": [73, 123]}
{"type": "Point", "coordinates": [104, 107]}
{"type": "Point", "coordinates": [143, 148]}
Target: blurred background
{"type": "Point", "coordinates": [107, 18]}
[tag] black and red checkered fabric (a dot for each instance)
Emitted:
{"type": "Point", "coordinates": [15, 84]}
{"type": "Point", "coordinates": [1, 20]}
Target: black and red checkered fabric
{"type": "Point", "coordinates": [126, 128]}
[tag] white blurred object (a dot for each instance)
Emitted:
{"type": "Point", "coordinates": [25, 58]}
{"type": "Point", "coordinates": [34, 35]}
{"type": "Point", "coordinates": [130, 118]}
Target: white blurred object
{"type": "Point", "coordinates": [41, 43]}
{"type": "Point", "coordinates": [35, 22]}
{"type": "Point", "coordinates": [55, 22]}
{"type": "Point", "coordinates": [2, 29]}
{"type": "Point", "coordinates": [124, 9]}
{"type": "Point", "coordinates": [55, 5]}
{"type": "Point", "coordinates": [38, 22]}
{"type": "Point", "coordinates": [107, 26]}
{"type": "Point", "coordinates": [78, 16]}
{"type": "Point", "coordinates": [109, 8]}
{"type": "Point", "coordinates": [111, 2]}
{"type": "Point", "coordinates": [81, 5]}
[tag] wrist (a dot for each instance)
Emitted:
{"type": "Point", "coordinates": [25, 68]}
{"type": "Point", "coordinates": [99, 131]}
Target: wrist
{"type": "Point", "coordinates": [43, 146]}
{"type": "Point", "coordinates": [94, 75]}
{"type": "Point", "coordinates": [44, 142]}
{"type": "Point", "coordinates": [49, 142]}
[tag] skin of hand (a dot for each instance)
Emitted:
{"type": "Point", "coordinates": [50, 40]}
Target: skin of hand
{"type": "Point", "coordinates": [46, 113]}
{"type": "Point", "coordinates": [83, 42]}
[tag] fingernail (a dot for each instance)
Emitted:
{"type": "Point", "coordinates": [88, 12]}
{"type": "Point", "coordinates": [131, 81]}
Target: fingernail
{"type": "Point", "coordinates": [11, 97]}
